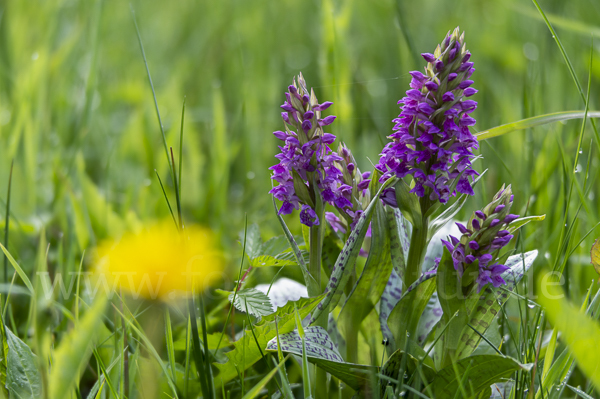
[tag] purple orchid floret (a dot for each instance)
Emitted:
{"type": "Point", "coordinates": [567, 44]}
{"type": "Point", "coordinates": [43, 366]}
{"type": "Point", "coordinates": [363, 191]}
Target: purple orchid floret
{"type": "Point", "coordinates": [307, 157]}
{"type": "Point", "coordinates": [308, 216]}
{"type": "Point", "coordinates": [481, 241]}
{"type": "Point", "coordinates": [431, 139]}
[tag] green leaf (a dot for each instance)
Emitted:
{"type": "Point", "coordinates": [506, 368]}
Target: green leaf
{"type": "Point", "coordinates": [483, 307]}
{"type": "Point", "coordinates": [479, 372]}
{"type": "Point", "coordinates": [368, 289]}
{"type": "Point", "coordinates": [399, 239]}
{"type": "Point", "coordinates": [356, 376]}
{"type": "Point", "coordinates": [252, 301]}
{"type": "Point", "coordinates": [268, 260]}
{"type": "Point", "coordinates": [579, 331]}
{"type": "Point", "coordinates": [430, 317]}
{"type": "Point", "coordinates": [301, 189]}
{"type": "Point", "coordinates": [389, 298]}
{"type": "Point", "coordinates": [253, 241]}
{"type": "Point", "coordinates": [321, 351]}
{"type": "Point", "coordinates": [23, 378]}
{"type": "Point", "coordinates": [246, 353]}
{"type": "Point", "coordinates": [318, 344]}
{"type": "Point", "coordinates": [533, 122]}
{"type": "Point", "coordinates": [18, 268]}
{"type": "Point", "coordinates": [408, 203]}
{"type": "Point", "coordinates": [74, 350]}
{"type": "Point", "coordinates": [520, 222]}
{"type": "Point", "coordinates": [275, 246]}
{"type": "Point", "coordinates": [404, 319]}
{"type": "Point", "coordinates": [339, 275]}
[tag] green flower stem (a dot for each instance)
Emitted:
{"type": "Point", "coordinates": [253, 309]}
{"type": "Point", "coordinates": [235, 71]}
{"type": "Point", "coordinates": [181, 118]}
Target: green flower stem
{"type": "Point", "coordinates": [316, 254]}
{"type": "Point", "coordinates": [416, 252]}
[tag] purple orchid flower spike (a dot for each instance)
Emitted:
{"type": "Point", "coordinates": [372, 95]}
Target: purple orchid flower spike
{"type": "Point", "coordinates": [431, 140]}
{"type": "Point", "coordinates": [306, 160]}
{"type": "Point", "coordinates": [482, 239]}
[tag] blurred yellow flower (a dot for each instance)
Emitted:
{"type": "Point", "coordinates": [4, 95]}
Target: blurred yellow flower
{"type": "Point", "coordinates": [159, 262]}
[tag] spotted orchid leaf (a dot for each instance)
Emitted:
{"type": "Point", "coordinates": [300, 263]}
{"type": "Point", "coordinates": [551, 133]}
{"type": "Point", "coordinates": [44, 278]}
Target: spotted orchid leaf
{"type": "Point", "coordinates": [483, 307]}
{"type": "Point", "coordinates": [340, 275]}
{"type": "Point", "coordinates": [321, 351]}
{"type": "Point", "coordinates": [374, 277]}
{"type": "Point", "coordinates": [404, 318]}
{"type": "Point", "coordinates": [318, 344]}
{"type": "Point", "coordinates": [390, 297]}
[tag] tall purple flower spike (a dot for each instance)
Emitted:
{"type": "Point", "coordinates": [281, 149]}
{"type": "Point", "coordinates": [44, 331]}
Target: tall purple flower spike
{"type": "Point", "coordinates": [306, 157]}
{"type": "Point", "coordinates": [482, 239]}
{"type": "Point", "coordinates": [431, 139]}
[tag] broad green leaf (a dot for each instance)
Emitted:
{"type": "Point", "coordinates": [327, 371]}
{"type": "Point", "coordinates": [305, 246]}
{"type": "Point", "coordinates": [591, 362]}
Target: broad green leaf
{"type": "Point", "coordinates": [253, 241]}
{"type": "Point", "coordinates": [595, 256]}
{"type": "Point", "coordinates": [268, 260]}
{"type": "Point", "coordinates": [477, 373]}
{"type": "Point", "coordinates": [275, 246]}
{"type": "Point", "coordinates": [483, 307]}
{"type": "Point", "coordinates": [339, 274]}
{"type": "Point", "coordinates": [404, 319]}
{"type": "Point", "coordinates": [74, 350]}
{"type": "Point", "coordinates": [252, 301]}
{"type": "Point", "coordinates": [533, 122]}
{"type": "Point", "coordinates": [245, 352]}
{"type": "Point", "coordinates": [579, 331]}
{"type": "Point", "coordinates": [23, 378]}
{"type": "Point", "coordinates": [408, 203]}
{"type": "Point", "coordinates": [374, 277]}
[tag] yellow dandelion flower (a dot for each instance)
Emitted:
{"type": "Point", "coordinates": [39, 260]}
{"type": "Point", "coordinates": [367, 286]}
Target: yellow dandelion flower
{"type": "Point", "coordinates": [159, 262]}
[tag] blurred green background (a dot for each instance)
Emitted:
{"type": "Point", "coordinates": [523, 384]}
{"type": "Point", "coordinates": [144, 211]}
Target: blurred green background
{"type": "Point", "coordinates": [78, 119]}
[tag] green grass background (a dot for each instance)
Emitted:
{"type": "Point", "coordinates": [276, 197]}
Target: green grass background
{"type": "Point", "coordinates": [77, 115]}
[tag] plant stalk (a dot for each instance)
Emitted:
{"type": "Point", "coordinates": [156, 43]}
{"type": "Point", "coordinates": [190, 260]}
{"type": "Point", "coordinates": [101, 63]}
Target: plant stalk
{"type": "Point", "coordinates": [315, 257]}
{"type": "Point", "coordinates": [416, 252]}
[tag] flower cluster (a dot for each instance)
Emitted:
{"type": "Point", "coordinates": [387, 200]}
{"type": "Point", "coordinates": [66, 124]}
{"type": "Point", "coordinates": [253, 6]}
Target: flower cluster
{"type": "Point", "coordinates": [486, 233]}
{"type": "Point", "coordinates": [307, 166]}
{"type": "Point", "coordinates": [431, 139]}
{"type": "Point", "coordinates": [360, 197]}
